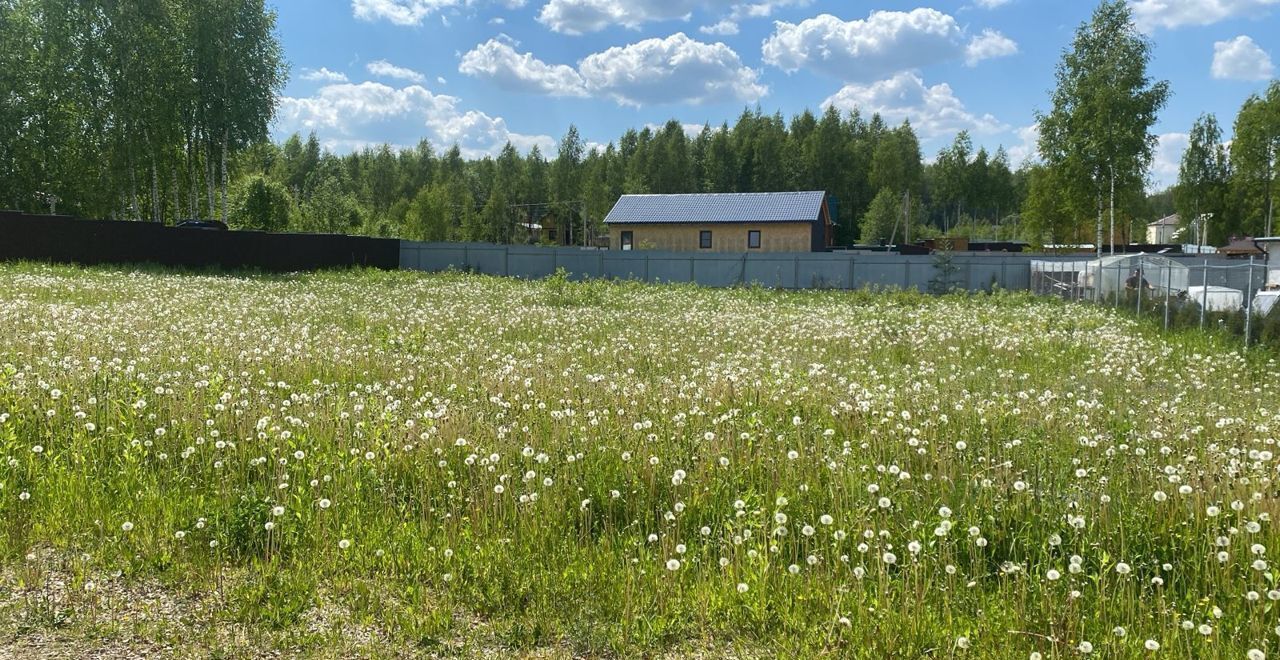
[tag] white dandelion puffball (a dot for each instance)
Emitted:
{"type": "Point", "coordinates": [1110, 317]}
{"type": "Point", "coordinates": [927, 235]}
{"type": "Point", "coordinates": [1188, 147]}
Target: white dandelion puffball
{"type": "Point", "coordinates": [742, 587]}
{"type": "Point", "coordinates": [673, 564]}
{"type": "Point", "coordinates": [344, 544]}
{"type": "Point", "coordinates": [126, 527]}
{"type": "Point", "coordinates": [1151, 645]}
{"type": "Point", "coordinates": [325, 503]}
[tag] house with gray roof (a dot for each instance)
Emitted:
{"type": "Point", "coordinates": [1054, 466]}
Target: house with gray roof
{"type": "Point", "coordinates": [1165, 230]}
{"type": "Point", "coordinates": [722, 222]}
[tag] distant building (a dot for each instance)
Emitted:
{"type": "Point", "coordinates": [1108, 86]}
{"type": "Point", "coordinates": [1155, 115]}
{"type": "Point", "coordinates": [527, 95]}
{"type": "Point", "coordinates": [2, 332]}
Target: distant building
{"type": "Point", "coordinates": [722, 222]}
{"type": "Point", "coordinates": [1164, 231]}
{"type": "Point", "coordinates": [1241, 247]}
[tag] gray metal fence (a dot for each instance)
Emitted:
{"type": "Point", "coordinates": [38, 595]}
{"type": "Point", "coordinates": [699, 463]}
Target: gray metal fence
{"type": "Point", "coordinates": [801, 270]}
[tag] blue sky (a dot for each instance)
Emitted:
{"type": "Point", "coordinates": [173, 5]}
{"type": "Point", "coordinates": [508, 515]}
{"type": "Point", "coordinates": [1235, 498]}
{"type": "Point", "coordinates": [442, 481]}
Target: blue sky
{"type": "Point", "coordinates": [482, 72]}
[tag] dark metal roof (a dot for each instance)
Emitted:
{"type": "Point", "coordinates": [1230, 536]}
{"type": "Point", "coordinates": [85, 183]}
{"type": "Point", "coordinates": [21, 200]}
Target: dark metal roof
{"type": "Point", "coordinates": [718, 207]}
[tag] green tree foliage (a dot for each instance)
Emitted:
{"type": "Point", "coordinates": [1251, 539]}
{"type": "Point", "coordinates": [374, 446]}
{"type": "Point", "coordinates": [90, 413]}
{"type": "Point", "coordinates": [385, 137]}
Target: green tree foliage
{"type": "Point", "coordinates": [1048, 214]}
{"type": "Point", "coordinates": [153, 97]}
{"type": "Point", "coordinates": [1097, 137]}
{"type": "Point", "coordinates": [262, 204]}
{"type": "Point", "coordinates": [1255, 151]}
{"type": "Point", "coordinates": [496, 198]}
{"type": "Point", "coordinates": [329, 210]}
{"type": "Point", "coordinates": [1203, 175]}
{"type": "Point", "coordinates": [882, 217]}
{"type": "Point", "coordinates": [953, 173]}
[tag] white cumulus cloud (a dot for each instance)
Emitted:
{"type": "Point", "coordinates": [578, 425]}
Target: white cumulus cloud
{"type": "Point", "coordinates": [933, 111]}
{"type": "Point", "coordinates": [764, 8]}
{"type": "Point", "coordinates": [582, 16]}
{"type": "Point", "coordinates": [676, 69]}
{"type": "Point", "coordinates": [385, 69]}
{"type": "Point", "coordinates": [992, 4]}
{"type": "Point", "coordinates": [498, 61]}
{"type": "Point", "coordinates": [1167, 159]}
{"type": "Point", "coordinates": [323, 75]}
{"type": "Point", "coordinates": [884, 43]}
{"type": "Point", "coordinates": [988, 45]}
{"type": "Point", "coordinates": [1171, 14]}
{"type": "Point", "coordinates": [726, 27]}
{"type": "Point", "coordinates": [1027, 147]}
{"type": "Point", "coordinates": [350, 114]}
{"type": "Point", "coordinates": [413, 12]}
{"type": "Point", "coordinates": [1240, 59]}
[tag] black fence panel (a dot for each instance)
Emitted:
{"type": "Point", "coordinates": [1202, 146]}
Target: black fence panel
{"type": "Point", "coordinates": [71, 240]}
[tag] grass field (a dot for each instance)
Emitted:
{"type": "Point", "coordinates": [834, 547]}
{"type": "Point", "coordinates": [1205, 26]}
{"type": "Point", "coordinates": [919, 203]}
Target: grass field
{"type": "Point", "coordinates": [395, 464]}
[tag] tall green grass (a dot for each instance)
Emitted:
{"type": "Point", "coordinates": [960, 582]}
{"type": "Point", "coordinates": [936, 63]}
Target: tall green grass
{"type": "Point", "coordinates": [627, 469]}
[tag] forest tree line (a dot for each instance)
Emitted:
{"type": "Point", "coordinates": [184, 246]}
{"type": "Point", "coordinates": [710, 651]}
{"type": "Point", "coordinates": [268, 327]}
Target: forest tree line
{"type": "Point", "coordinates": [159, 110]}
{"type": "Point", "coordinates": [132, 110]}
{"type": "Point", "coordinates": [421, 194]}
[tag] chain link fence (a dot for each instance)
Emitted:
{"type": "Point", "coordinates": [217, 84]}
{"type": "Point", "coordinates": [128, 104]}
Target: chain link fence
{"type": "Point", "coordinates": [1242, 297]}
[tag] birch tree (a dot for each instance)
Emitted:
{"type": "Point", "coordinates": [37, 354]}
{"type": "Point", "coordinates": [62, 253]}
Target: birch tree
{"type": "Point", "coordinates": [1097, 136]}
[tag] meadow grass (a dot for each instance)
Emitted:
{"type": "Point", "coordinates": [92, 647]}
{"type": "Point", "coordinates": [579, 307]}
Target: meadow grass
{"type": "Point", "coordinates": [398, 463]}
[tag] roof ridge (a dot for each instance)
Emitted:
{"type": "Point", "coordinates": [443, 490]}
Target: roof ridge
{"type": "Point", "coordinates": [719, 194]}
{"type": "Point", "coordinates": [768, 206]}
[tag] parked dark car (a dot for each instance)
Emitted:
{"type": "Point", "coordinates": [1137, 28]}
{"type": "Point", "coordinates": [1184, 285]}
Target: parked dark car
{"type": "Point", "coordinates": [212, 225]}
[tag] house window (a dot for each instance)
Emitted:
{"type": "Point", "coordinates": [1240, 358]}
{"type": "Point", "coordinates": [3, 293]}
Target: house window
{"type": "Point", "coordinates": [704, 239]}
{"type": "Point", "coordinates": [753, 239]}
{"type": "Point", "coordinates": [627, 240]}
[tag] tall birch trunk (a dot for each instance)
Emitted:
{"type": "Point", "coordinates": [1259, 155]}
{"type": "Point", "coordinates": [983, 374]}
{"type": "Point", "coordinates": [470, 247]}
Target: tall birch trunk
{"type": "Point", "coordinates": [210, 181]}
{"type": "Point", "coordinates": [224, 176]}
{"type": "Point", "coordinates": [1113, 208]}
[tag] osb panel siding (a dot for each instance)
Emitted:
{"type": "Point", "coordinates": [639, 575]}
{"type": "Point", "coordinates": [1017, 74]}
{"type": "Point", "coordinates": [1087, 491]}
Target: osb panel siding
{"type": "Point", "coordinates": [774, 237]}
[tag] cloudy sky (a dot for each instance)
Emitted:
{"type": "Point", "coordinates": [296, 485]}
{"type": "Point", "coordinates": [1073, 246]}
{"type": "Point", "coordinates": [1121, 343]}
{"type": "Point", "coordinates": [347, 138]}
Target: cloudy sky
{"type": "Point", "coordinates": [482, 72]}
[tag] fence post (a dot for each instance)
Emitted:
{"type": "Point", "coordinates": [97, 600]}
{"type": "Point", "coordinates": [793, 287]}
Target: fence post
{"type": "Point", "coordinates": [506, 261]}
{"type": "Point", "coordinates": [851, 273]}
{"type": "Point", "coordinates": [1097, 279]}
{"type": "Point", "coordinates": [1142, 279]}
{"type": "Point", "coordinates": [1168, 275]}
{"type": "Point", "coordinates": [795, 274]}
{"type": "Point", "coordinates": [646, 266]}
{"type": "Point", "coordinates": [1204, 291]}
{"type": "Point", "coordinates": [1248, 307]}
